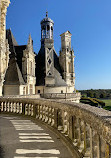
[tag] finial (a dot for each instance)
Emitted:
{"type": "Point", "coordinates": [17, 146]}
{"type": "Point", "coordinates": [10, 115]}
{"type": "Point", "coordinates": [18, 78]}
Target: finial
{"type": "Point", "coordinates": [46, 13]}
{"type": "Point", "coordinates": [30, 43]}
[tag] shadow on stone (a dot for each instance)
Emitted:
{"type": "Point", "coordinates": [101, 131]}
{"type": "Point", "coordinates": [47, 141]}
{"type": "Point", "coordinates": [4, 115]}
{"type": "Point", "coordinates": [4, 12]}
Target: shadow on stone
{"type": "Point", "coordinates": [1, 152]}
{"type": "Point", "coordinates": [106, 117]}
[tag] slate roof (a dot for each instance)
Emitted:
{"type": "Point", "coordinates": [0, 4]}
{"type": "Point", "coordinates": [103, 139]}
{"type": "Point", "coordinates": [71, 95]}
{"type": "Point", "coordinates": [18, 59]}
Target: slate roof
{"type": "Point", "coordinates": [19, 55]}
{"type": "Point", "coordinates": [13, 74]}
{"type": "Point", "coordinates": [40, 69]}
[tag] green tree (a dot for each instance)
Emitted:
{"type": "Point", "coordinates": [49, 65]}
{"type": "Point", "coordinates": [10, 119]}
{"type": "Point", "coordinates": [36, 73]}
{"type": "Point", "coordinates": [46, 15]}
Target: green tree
{"type": "Point", "coordinates": [102, 95]}
{"type": "Point", "coordinates": [90, 94]}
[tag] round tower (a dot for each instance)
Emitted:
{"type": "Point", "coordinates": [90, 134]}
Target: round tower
{"type": "Point", "coordinates": [47, 28]}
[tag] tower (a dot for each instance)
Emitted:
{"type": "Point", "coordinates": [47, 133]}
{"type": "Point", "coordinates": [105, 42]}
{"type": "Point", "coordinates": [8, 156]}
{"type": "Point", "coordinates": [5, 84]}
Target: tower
{"type": "Point", "coordinates": [4, 50]}
{"type": "Point", "coordinates": [67, 59]}
{"type": "Point", "coordinates": [47, 43]}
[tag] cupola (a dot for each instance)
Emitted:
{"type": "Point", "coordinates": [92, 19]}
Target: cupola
{"type": "Point", "coordinates": [47, 28]}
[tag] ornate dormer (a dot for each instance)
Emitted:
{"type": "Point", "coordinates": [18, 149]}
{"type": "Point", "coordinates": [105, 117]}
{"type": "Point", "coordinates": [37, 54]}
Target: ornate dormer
{"type": "Point", "coordinates": [28, 60]}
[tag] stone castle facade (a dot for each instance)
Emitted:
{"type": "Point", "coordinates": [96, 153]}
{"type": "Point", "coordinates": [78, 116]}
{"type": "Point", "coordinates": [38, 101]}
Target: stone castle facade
{"type": "Point", "coordinates": [23, 72]}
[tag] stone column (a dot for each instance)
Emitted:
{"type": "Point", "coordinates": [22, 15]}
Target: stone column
{"type": "Point", "coordinates": [56, 118]}
{"type": "Point", "coordinates": [98, 147]}
{"type": "Point", "coordinates": [71, 127]}
{"type": "Point", "coordinates": [91, 143]}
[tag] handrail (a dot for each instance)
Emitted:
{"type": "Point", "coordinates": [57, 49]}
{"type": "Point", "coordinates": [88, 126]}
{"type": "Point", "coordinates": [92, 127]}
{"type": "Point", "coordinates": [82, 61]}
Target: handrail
{"type": "Point", "coordinates": [88, 128]}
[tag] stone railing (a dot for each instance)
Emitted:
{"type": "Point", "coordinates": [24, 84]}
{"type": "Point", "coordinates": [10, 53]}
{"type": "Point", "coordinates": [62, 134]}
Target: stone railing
{"type": "Point", "coordinates": [87, 129]}
{"type": "Point", "coordinates": [75, 97]}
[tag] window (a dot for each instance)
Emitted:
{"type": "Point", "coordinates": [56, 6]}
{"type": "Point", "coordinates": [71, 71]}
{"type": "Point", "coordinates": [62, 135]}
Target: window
{"type": "Point", "coordinates": [48, 31]}
{"type": "Point", "coordinates": [43, 31]}
{"type": "Point", "coordinates": [31, 89]}
{"type": "Point", "coordinates": [24, 91]}
{"type": "Point", "coordinates": [62, 91]}
{"type": "Point", "coordinates": [39, 91]}
{"type": "Point", "coordinates": [48, 27]}
{"type": "Point", "coordinates": [69, 67]}
{"type": "Point", "coordinates": [30, 68]}
{"type": "Point", "coordinates": [51, 32]}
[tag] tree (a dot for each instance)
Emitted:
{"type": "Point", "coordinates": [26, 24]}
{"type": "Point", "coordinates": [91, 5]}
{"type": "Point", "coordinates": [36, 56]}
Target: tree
{"type": "Point", "coordinates": [102, 95]}
{"type": "Point", "coordinates": [90, 94]}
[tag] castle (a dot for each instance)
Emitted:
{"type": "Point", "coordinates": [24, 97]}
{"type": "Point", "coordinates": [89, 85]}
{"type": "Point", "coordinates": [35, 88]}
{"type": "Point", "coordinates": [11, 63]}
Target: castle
{"type": "Point", "coordinates": [23, 72]}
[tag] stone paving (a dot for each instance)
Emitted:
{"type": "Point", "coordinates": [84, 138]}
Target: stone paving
{"type": "Point", "coordinates": [22, 138]}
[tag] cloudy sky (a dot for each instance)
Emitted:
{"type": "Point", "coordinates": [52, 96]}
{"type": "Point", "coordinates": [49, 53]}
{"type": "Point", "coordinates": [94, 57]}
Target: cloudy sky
{"type": "Point", "coordinates": [89, 21]}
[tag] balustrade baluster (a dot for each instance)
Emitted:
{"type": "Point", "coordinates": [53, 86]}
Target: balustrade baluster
{"type": "Point", "coordinates": [40, 117]}
{"type": "Point", "coordinates": [87, 152]}
{"type": "Point", "coordinates": [23, 108]}
{"type": "Point", "coordinates": [17, 110]}
{"type": "Point", "coordinates": [14, 104]}
{"type": "Point", "coordinates": [46, 113]}
{"type": "Point", "coordinates": [91, 142]}
{"type": "Point", "coordinates": [5, 106]}
{"type": "Point", "coordinates": [38, 111]}
{"type": "Point", "coordinates": [29, 109]}
{"type": "Point", "coordinates": [60, 120]}
{"type": "Point", "coordinates": [56, 117]}
{"type": "Point", "coordinates": [81, 136]}
{"type": "Point", "coordinates": [11, 107]}
{"type": "Point", "coordinates": [50, 113]}
{"type": "Point", "coordinates": [95, 144]}
{"type": "Point", "coordinates": [32, 110]}
{"type": "Point", "coordinates": [20, 108]}
{"type": "Point", "coordinates": [71, 127]}
{"type": "Point", "coordinates": [65, 125]}
{"type": "Point", "coordinates": [52, 116]}
{"type": "Point", "coordinates": [8, 107]}
{"type": "Point", "coordinates": [2, 106]}
{"type": "Point", "coordinates": [76, 132]}
{"type": "Point", "coordinates": [43, 112]}
{"type": "Point", "coordinates": [98, 147]}
{"type": "Point", "coordinates": [26, 109]}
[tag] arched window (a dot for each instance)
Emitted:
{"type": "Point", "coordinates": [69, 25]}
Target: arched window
{"type": "Point", "coordinates": [24, 91]}
{"type": "Point", "coordinates": [30, 68]}
{"type": "Point", "coordinates": [43, 32]}
{"type": "Point", "coordinates": [51, 32]}
{"type": "Point", "coordinates": [48, 31]}
{"type": "Point", "coordinates": [69, 67]}
{"type": "Point", "coordinates": [48, 27]}
{"type": "Point", "coordinates": [43, 28]}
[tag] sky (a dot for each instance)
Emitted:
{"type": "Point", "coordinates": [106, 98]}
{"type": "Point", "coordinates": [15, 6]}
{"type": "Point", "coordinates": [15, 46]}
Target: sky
{"type": "Point", "coordinates": [89, 21]}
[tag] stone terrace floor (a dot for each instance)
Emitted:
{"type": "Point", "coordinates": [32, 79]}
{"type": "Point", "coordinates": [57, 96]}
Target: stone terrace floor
{"type": "Point", "coordinates": [22, 138]}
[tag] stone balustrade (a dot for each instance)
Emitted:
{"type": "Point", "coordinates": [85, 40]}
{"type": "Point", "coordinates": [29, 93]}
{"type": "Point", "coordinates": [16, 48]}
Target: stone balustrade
{"type": "Point", "coordinates": [86, 128]}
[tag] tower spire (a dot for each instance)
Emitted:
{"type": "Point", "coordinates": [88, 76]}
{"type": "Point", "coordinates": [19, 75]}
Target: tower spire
{"type": "Point", "coordinates": [46, 13]}
{"type": "Point", "coordinates": [30, 43]}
